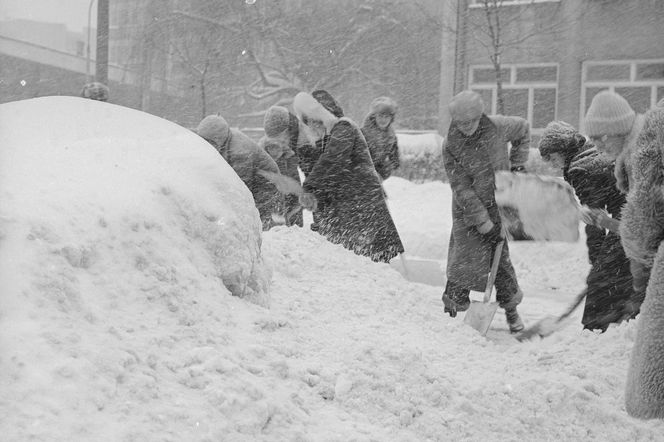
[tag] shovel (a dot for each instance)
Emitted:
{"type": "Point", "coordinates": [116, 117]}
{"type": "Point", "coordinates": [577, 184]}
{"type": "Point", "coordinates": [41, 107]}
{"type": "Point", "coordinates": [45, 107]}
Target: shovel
{"type": "Point", "coordinates": [480, 314]}
{"type": "Point", "coordinates": [550, 324]}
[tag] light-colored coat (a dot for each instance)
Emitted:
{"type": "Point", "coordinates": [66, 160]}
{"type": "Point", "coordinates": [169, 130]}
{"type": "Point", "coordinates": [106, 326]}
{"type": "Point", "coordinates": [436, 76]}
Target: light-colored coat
{"type": "Point", "coordinates": [624, 169]}
{"type": "Point", "coordinates": [642, 233]}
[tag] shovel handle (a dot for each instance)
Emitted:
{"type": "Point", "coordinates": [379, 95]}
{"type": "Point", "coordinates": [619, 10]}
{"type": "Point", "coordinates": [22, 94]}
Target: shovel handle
{"type": "Point", "coordinates": [494, 270]}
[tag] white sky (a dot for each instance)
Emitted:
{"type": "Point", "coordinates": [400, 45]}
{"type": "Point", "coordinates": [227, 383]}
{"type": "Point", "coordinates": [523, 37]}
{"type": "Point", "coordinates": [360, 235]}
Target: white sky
{"type": "Point", "coordinates": [114, 228]}
{"type": "Point", "coordinates": [73, 13]}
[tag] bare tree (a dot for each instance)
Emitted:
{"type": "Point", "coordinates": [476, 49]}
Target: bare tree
{"type": "Point", "coordinates": [501, 26]}
{"type": "Point", "coordinates": [247, 57]}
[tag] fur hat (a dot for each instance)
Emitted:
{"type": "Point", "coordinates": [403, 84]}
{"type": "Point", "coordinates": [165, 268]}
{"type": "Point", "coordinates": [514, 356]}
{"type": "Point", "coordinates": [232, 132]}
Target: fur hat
{"type": "Point", "coordinates": [466, 105]}
{"type": "Point", "coordinates": [609, 114]}
{"type": "Point", "coordinates": [383, 105]}
{"type": "Point", "coordinates": [560, 137]}
{"type": "Point", "coordinates": [328, 101]}
{"type": "Point", "coordinates": [276, 120]}
{"type": "Point", "coordinates": [214, 128]}
{"type": "Point", "coordinates": [95, 91]}
{"type": "Point", "coordinates": [307, 107]}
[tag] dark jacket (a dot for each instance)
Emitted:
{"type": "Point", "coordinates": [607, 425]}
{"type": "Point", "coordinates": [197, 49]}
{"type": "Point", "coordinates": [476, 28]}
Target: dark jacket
{"type": "Point", "coordinates": [383, 146]}
{"type": "Point", "coordinates": [287, 152]}
{"type": "Point", "coordinates": [609, 282]}
{"type": "Point", "coordinates": [470, 163]}
{"type": "Point", "coordinates": [354, 212]}
{"type": "Point", "coordinates": [247, 158]}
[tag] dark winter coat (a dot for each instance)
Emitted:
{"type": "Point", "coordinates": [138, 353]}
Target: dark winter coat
{"type": "Point", "coordinates": [287, 161]}
{"type": "Point", "coordinates": [642, 232]}
{"type": "Point", "coordinates": [383, 146]}
{"type": "Point", "coordinates": [470, 163]}
{"type": "Point", "coordinates": [353, 210]}
{"type": "Point", "coordinates": [287, 149]}
{"type": "Point", "coordinates": [247, 158]}
{"type": "Point", "coordinates": [609, 282]}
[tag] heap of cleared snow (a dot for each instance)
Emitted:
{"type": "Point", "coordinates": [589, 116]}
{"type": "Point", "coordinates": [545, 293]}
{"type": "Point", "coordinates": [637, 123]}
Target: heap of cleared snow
{"type": "Point", "coordinates": [113, 223]}
{"type": "Point", "coordinates": [412, 146]}
{"type": "Point", "coordinates": [95, 180]}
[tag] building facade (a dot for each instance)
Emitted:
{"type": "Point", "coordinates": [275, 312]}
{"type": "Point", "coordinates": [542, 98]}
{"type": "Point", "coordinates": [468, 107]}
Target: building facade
{"type": "Point", "coordinates": [556, 55]}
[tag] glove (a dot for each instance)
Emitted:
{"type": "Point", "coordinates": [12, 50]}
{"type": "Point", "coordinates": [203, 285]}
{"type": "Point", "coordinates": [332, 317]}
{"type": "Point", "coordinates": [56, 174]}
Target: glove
{"type": "Point", "coordinates": [520, 169]}
{"type": "Point", "coordinates": [308, 201]}
{"type": "Point", "coordinates": [493, 236]}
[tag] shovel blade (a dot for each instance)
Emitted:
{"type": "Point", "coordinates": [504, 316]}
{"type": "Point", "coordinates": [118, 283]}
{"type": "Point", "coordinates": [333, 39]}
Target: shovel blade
{"type": "Point", "coordinates": [480, 315]}
{"type": "Point", "coordinates": [543, 328]}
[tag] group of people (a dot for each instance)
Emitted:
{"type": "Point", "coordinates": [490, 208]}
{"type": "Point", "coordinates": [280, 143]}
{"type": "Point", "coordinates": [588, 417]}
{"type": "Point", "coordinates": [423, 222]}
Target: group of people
{"type": "Point", "coordinates": [599, 165]}
{"type": "Point", "coordinates": [617, 171]}
{"type": "Point", "coordinates": [343, 167]}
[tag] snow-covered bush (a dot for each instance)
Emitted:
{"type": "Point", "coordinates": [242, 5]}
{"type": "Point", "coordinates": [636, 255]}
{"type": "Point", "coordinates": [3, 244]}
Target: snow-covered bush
{"type": "Point", "coordinates": [421, 157]}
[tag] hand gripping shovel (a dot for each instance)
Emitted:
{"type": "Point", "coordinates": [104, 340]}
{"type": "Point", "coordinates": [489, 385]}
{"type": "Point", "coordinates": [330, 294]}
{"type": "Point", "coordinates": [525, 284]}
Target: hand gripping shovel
{"type": "Point", "coordinates": [480, 314]}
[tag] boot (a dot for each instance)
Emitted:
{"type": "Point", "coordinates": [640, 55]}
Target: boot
{"type": "Point", "coordinates": [451, 306]}
{"type": "Point", "coordinates": [513, 320]}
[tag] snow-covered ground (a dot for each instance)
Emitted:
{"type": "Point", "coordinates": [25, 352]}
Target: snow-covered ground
{"type": "Point", "coordinates": [120, 331]}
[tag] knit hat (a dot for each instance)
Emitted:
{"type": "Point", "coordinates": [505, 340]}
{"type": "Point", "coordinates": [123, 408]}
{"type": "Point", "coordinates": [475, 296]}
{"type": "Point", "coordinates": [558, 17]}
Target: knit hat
{"type": "Point", "coordinates": [383, 105]}
{"type": "Point", "coordinates": [328, 102]}
{"type": "Point", "coordinates": [466, 105]}
{"type": "Point", "coordinates": [214, 128]}
{"type": "Point", "coordinates": [609, 114]}
{"type": "Point", "coordinates": [276, 120]}
{"type": "Point", "coordinates": [560, 137]}
{"type": "Point", "coordinates": [95, 91]}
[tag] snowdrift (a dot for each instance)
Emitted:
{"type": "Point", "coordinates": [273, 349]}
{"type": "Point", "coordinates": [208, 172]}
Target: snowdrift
{"type": "Point", "coordinates": [113, 223]}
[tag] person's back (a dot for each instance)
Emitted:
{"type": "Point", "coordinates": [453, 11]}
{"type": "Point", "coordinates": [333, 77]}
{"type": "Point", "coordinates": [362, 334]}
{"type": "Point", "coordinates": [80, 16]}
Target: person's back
{"type": "Point", "coordinates": [354, 211]}
{"type": "Point", "coordinates": [247, 159]}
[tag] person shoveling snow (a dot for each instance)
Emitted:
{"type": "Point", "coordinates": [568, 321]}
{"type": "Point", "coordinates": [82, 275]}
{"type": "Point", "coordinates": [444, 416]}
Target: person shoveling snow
{"type": "Point", "coordinates": [474, 148]}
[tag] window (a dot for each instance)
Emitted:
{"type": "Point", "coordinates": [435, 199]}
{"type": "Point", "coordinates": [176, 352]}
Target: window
{"type": "Point", "coordinates": [529, 91]}
{"type": "Point", "coordinates": [480, 3]}
{"type": "Point", "coordinates": [641, 82]}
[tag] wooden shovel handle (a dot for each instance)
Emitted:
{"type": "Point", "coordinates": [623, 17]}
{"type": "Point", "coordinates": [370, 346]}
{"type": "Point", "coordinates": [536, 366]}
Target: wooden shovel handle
{"type": "Point", "coordinates": [494, 270]}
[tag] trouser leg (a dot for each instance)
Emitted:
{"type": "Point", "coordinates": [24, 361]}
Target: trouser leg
{"type": "Point", "coordinates": [508, 292]}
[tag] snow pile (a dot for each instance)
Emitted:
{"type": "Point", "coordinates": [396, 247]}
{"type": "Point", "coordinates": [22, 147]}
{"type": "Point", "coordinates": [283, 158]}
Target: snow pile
{"type": "Point", "coordinates": [414, 146]}
{"type": "Point", "coordinates": [112, 224]}
{"type": "Point", "coordinates": [115, 326]}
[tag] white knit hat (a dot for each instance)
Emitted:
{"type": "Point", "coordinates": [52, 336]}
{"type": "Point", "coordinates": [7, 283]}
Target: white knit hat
{"type": "Point", "coordinates": [609, 114]}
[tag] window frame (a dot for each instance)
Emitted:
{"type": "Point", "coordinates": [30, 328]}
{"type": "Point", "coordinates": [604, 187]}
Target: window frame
{"type": "Point", "coordinates": [510, 83]}
{"type": "Point", "coordinates": [475, 4]}
{"type": "Point", "coordinates": [611, 85]}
